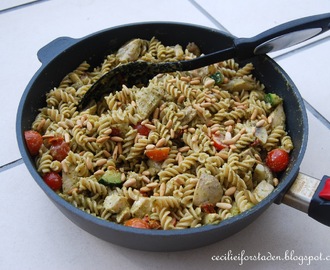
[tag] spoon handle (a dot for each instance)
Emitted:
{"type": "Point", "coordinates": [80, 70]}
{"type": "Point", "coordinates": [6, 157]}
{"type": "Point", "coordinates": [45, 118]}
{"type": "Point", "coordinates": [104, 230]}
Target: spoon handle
{"type": "Point", "coordinates": [276, 38]}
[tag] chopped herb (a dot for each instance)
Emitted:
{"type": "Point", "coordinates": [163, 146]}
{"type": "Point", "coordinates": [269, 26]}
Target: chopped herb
{"type": "Point", "coordinates": [217, 77]}
{"type": "Point", "coordinates": [273, 99]}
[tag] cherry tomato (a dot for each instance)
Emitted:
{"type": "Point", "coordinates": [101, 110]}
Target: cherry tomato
{"type": "Point", "coordinates": [217, 142]}
{"type": "Point", "coordinates": [277, 160]}
{"type": "Point", "coordinates": [207, 208]}
{"type": "Point", "coordinates": [53, 180]}
{"type": "Point", "coordinates": [153, 224]}
{"type": "Point", "coordinates": [137, 223]}
{"type": "Point", "coordinates": [53, 141]}
{"type": "Point", "coordinates": [141, 129]}
{"type": "Point", "coordinates": [33, 141]}
{"type": "Point", "coordinates": [59, 149]}
{"type": "Point", "coordinates": [157, 154]}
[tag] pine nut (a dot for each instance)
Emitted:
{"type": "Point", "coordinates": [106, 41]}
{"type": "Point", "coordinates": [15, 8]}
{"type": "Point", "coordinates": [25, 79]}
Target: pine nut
{"type": "Point", "coordinates": [260, 123]}
{"type": "Point", "coordinates": [181, 98]}
{"type": "Point", "coordinates": [67, 137]}
{"type": "Point", "coordinates": [232, 140]}
{"type": "Point", "coordinates": [230, 191]}
{"type": "Point", "coordinates": [254, 114]}
{"type": "Point", "coordinates": [169, 124]}
{"type": "Point", "coordinates": [162, 189]}
{"type": "Point", "coordinates": [102, 139]}
{"type": "Point", "coordinates": [150, 146]}
{"type": "Point", "coordinates": [101, 162]}
{"type": "Point", "coordinates": [117, 139]}
{"type": "Point", "coordinates": [99, 173]}
{"type": "Point", "coordinates": [129, 182]}
{"type": "Point", "coordinates": [107, 131]}
{"type": "Point", "coordinates": [161, 142]}
{"type": "Point", "coordinates": [151, 127]}
{"type": "Point", "coordinates": [146, 121]}
{"type": "Point", "coordinates": [152, 185]}
{"type": "Point", "coordinates": [195, 82]}
{"type": "Point", "coordinates": [225, 206]}
{"type": "Point", "coordinates": [65, 167]}
{"type": "Point", "coordinates": [89, 163]}
{"type": "Point", "coordinates": [89, 126]}
{"type": "Point", "coordinates": [144, 189]}
{"type": "Point", "coordinates": [145, 179]}
{"type": "Point", "coordinates": [229, 123]}
{"type": "Point", "coordinates": [184, 148]}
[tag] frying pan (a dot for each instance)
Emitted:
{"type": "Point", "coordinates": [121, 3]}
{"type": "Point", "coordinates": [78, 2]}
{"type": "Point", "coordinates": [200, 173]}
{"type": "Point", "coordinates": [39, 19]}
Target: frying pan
{"type": "Point", "coordinates": [64, 54]}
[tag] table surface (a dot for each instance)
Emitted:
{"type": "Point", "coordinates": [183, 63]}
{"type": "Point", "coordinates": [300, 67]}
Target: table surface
{"type": "Point", "coordinates": [35, 234]}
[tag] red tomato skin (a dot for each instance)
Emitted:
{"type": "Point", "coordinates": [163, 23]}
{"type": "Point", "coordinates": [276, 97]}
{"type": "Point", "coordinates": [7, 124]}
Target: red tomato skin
{"type": "Point", "coordinates": [277, 160]}
{"type": "Point", "coordinates": [53, 180]}
{"type": "Point", "coordinates": [207, 208]}
{"type": "Point", "coordinates": [217, 143]}
{"type": "Point", "coordinates": [137, 223]}
{"type": "Point", "coordinates": [59, 150]}
{"type": "Point", "coordinates": [33, 141]}
{"type": "Point", "coordinates": [158, 154]}
{"type": "Point", "coordinates": [142, 130]}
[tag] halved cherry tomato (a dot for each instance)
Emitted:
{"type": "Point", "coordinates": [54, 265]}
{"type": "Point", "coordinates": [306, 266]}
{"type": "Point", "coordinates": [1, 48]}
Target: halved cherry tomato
{"type": "Point", "coordinates": [277, 160]}
{"type": "Point", "coordinates": [141, 129]}
{"type": "Point", "coordinates": [207, 208]}
{"type": "Point", "coordinates": [59, 148]}
{"type": "Point", "coordinates": [153, 224]}
{"type": "Point", "coordinates": [53, 180]}
{"type": "Point", "coordinates": [137, 223]}
{"type": "Point", "coordinates": [217, 142]}
{"type": "Point", "coordinates": [33, 141]}
{"type": "Point", "coordinates": [158, 154]}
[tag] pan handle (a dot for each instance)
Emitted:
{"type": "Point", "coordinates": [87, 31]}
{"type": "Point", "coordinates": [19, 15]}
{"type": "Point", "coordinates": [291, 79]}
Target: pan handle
{"type": "Point", "coordinates": [53, 48]}
{"type": "Point", "coordinates": [311, 196]}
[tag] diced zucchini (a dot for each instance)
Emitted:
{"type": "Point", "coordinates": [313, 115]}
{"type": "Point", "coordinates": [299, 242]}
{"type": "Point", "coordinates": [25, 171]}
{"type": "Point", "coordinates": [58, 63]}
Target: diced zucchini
{"type": "Point", "coordinates": [111, 178]}
{"type": "Point", "coordinates": [273, 99]}
{"type": "Point", "coordinates": [217, 77]}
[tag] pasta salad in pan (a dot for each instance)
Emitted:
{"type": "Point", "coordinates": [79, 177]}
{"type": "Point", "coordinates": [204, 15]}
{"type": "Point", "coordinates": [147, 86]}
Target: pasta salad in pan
{"type": "Point", "coordinates": [189, 149]}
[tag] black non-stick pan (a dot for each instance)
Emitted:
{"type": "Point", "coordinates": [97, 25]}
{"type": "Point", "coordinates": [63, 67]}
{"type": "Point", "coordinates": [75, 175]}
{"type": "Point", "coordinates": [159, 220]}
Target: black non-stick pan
{"type": "Point", "coordinates": [63, 55]}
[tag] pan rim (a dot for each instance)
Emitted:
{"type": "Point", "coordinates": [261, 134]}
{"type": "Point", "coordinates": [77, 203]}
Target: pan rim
{"type": "Point", "coordinates": [284, 184]}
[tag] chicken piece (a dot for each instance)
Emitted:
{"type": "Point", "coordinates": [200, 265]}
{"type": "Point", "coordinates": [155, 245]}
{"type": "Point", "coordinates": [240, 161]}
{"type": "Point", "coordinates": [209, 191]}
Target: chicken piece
{"type": "Point", "coordinates": [190, 114]}
{"type": "Point", "coordinates": [193, 48]}
{"type": "Point", "coordinates": [211, 218]}
{"type": "Point", "coordinates": [208, 190]}
{"type": "Point", "coordinates": [124, 215]}
{"type": "Point", "coordinates": [141, 207]}
{"type": "Point", "coordinates": [263, 189]}
{"type": "Point", "coordinates": [147, 100]}
{"type": "Point", "coordinates": [69, 179]}
{"type": "Point", "coordinates": [115, 203]}
{"type": "Point", "coordinates": [278, 116]}
{"type": "Point", "coordinates": [238, 84]}
{"type": "Point", "coordinates": [131, 51]}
